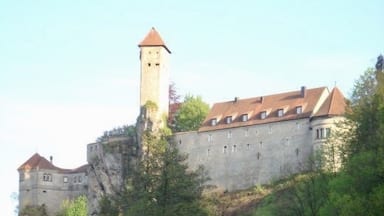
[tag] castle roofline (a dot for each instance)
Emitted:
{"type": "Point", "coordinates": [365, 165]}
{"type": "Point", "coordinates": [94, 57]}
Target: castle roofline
{"type": "Point", "coordinates": [153, 39]}
{"type": "Point", "coordinates": [38, 162]}
{"type": "Point", "coordinates": [273, 108]}
{"type": "Point", "coordinates": [334, 105]}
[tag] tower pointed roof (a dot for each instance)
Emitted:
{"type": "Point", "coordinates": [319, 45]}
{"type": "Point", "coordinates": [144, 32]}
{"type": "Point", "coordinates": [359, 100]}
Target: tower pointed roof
{"type": "Point", "coordinates": [153, 39]}
{"type": "Point", "coordinates": [335, 104]}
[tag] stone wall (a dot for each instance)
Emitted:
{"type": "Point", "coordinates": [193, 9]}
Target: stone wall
{"type": "Point", "coordinates": [238, 158]}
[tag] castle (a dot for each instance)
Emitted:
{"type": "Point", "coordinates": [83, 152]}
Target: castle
{"type": "Point", "coordinates": [241, 143]}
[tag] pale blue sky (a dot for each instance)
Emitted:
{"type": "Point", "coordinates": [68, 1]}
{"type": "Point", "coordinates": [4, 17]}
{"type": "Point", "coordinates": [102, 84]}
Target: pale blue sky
{"type": "Point", "coordinates": [70, 69]}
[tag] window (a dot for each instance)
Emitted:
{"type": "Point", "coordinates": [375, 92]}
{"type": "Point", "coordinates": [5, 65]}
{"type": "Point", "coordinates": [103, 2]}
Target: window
{"type": "Point", "coordinates": [47, 177]}
{"type": "Point", "coordinates": [208, 152]}
{"type": "Point", "coordinates": [327, 132]}
{"type": "Point", "coordinates": [210, 138]}
{"type": "Point", "coordinates": [228, 119]}
{"type": "Point", "coordinates": [234, 148]}
{"type": "Point", "coordinates": [65, 179]}
{"type": "Point", "coordinates": [263, 114]}
{"type": "Point", "coordinates": [299, 109]}
{"type": "Point", "coordinates": [258, 155]}
{"type": "Point", "coordinates": [213, 121]}
{"type": "Point", "coordinates": [75, 179]}
{"type": "Point", "coordinates": [297, 151]}
{"type": "Point", "coordinates": [323, 133]}
{"type": "Point", "coordinates": [280, 112]}
{"type": "Point", "coordinates": [180, 142]}
{"type": "Point", "coordinates": [244, 117]}
{"type": "Point", "coordinates": [157, 64]}
{"type": "Point", "coordinates": [225, 149]}
{"type": "Point", "coordinates": [270, 129]}
{"type": "Point", "coordinates": [80, 179]}
{"type": "Point", "coordinates": [248, 146]}
{"type": "Point", "coordinates": [229, 135]}
{"type": "Point", "coordinates": [149, 64]}
{"type": "Point", "coordinates": [246, 133]}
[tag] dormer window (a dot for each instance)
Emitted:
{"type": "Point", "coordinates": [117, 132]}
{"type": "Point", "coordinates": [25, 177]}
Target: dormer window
{"type": "Point", "coordinates": [263, 114]}
{"type": "Point", "coordinates": [280, 112]}
{"type": "Point", "coordinates": [213, 121]}
{"type": "Point", "coordinates": [244, 117]}
{"type": "Point", "coordinates": [228, 119]}
{"type": "Point", "coordinates": [299, 109]}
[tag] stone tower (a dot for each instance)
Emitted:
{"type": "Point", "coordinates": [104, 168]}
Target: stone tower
{"type": "Point", "coordinates": [154, 81]}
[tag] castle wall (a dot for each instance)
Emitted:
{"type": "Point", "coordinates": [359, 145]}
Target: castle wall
{"type": "Point", "coordinates": [50, 187]}
{"type": "Point", "coordinates": [239, 158]}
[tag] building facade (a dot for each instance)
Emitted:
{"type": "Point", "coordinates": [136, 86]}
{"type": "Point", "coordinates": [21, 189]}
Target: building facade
{"type": "Point", "coordinates": [42, 183]}
{"type": "Point", "coordinates": [241, 143]}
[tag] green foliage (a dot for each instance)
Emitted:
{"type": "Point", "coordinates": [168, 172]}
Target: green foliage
{"type": "Point", "coordinates": [161, 184]}
{"type": "Point", "coordinates": [151, 106]}
{"type": "Point", "coordinates": [77, 207]}
{"type": "Point", "coordinates": [191, 114]}
{"type": "Point", "coordinates": [34, 211]}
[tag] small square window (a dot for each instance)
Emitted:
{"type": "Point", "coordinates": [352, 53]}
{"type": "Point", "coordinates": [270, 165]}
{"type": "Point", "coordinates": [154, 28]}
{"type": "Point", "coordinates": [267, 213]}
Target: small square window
{"type": "Point", "coordinates": [280, 112]}
{"type": "Point", "coordinates": [229, 134]}
{"type": "Point", "coordinates": [299, 109]}
{"type": "Point", "coordinates": [210, 138]}
{"type": "Point", "coordinates": [244, 117]}
{"type": "Point", "coordinates": [65, 179]}
{"type": "Point", "coordinates": [228, 119]}
{"type": "Point", "coordinates": [263, 114]}
{"type": "Point", "coordinates": [213, 121]}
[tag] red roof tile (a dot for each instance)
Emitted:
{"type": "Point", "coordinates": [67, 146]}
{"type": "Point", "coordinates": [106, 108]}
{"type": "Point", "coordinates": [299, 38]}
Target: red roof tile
{"type": "Point", "coordinates": [271, 104]}
{"type": "Point", "coordinates": [39, 162]}
{"type": "Point", "coordinates": [335, 104]}
{"type": "Point", "coordinates": [153, 39]}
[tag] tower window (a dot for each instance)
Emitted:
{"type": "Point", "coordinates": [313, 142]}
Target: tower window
{"type": "Point", "coordinates": [225, 149]}
{"type": "Point", "coordinates": [149, 64]}
{"type": "Point", "coordinates": [157, 64]}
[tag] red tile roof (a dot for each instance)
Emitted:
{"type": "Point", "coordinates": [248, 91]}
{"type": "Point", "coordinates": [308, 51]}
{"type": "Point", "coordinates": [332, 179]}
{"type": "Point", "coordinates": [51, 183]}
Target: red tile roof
{"type": "Point", "coordinates": [288, 101]}
{"type": "Point", "coordinates": [39, 162]}
{"type": "Point", "coordinates": [334, 105]}
{"type": "Point", "coordinates": [153, 39]}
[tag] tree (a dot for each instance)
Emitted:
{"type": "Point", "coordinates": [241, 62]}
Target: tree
{"type": "Point", "coordinates": [163, 184]}
{"type": "Point", "coordinates": [191, 114]}
{"type": "Point", "coordinates": [358, 188]}
{"type": "Point", "coordinates": [77, 207]}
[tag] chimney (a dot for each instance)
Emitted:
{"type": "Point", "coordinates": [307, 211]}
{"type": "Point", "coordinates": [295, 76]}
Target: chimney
{"type": "Point", "coordinates": [236, 99]}
{"type": "Point", "coordinates": [303, 91]}
{"type": "Point", "coordinates": [261, 99]}
{"type": "Point", "coordinates": [51, 159]}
